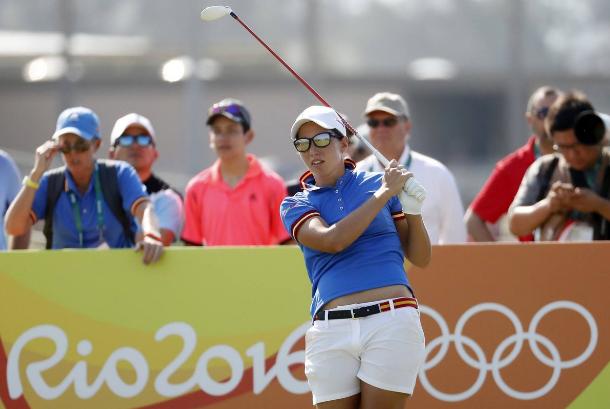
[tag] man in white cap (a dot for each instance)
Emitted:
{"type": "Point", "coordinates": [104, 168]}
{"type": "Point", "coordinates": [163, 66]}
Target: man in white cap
{"type": "Point", "coordinates": [133, 140]}
{"type": "Point", "coordinates": [389, 125]}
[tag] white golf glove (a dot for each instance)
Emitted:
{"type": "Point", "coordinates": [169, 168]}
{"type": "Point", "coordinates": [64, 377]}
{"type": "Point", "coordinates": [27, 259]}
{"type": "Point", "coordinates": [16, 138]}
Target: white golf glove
{"type": "Point", "coordinates": [412, 197]}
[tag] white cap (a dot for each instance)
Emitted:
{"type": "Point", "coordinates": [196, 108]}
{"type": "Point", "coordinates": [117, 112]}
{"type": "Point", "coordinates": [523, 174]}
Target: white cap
{"type": "Point", "coordinates": [126, 121]}
{"type": "Point", "coordinates": [326, 117]}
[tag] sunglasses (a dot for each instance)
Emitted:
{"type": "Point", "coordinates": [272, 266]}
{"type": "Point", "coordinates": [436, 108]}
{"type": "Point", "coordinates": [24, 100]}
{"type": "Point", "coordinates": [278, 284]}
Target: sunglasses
{"type": "Point", "coordinates": [321, 140]}
{"type": "Point", "coordinates": [81, 145]}
{"type": "Point", "coordinates": [232, 109]}
{"type": "Point", "coordinates": [126, 141]}
{"type": "Point", "coordinates": [388, 122]}
{"type": "Point", "coordinates": [541, 113]}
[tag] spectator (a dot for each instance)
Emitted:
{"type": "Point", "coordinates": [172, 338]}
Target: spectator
{"type": "Point", "coordinates": [390, 131]}
{"type": "Point", "coordinates": [576, 207]}
{"type": "Point", "coordinates": [11, 182]}
{"type": "Point", "coordinates": [87, 203]}
{"type": "Point", "coordinates": [490, 206]}
{"type": "Point", "coordinates": [133, 140]}
{"type": "Point", "coordinates": [236, 201]}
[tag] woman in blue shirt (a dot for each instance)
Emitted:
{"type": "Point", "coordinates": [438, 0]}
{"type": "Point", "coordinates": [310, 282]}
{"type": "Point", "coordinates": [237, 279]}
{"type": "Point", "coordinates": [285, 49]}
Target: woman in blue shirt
{"type": "Point", "coordinates": [366, 343]}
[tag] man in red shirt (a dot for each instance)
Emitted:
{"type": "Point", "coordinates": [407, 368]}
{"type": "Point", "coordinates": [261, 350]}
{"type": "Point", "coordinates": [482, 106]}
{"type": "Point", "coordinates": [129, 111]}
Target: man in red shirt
{"type": "Point", "coordinates": [490, 206]}
{"type": "Point", "coordinates": [236, 201]}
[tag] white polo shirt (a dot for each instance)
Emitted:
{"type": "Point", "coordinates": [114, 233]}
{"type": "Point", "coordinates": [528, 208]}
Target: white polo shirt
{"type": "Point", "coordinates": [443, 212]}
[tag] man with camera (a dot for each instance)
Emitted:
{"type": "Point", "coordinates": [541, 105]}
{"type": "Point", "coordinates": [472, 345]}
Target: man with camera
{"type": "Point", "coordinates": [565, 196]}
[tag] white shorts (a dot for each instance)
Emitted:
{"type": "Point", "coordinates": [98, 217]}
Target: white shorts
{"type": "Point", "coordinates": [384, 350]}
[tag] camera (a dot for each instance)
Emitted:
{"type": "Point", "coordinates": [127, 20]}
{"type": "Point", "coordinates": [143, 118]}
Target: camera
{"type": "Point", "coordinates": [590, 127]}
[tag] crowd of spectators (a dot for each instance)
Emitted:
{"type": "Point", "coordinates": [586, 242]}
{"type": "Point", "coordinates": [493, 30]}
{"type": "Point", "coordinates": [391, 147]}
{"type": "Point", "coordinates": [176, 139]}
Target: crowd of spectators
{"type": "Point", "coordinates": [555, 187]}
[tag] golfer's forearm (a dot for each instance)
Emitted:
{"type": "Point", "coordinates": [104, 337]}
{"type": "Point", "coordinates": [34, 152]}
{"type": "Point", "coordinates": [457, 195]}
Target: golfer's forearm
{"type": "Point", "coordinates": [525, 219]}
{"type": "Point", "coordinates": [337, 237]}
{"type": "Point", "coordinates": [417, 245]}
{"type": "Point", "coordinates": [346, 231]}
{"type": "Point", "coordinates": [477, 228]}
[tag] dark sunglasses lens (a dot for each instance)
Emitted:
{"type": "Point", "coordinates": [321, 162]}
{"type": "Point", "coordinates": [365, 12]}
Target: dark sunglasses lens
{"type": "Point", "coordinates": [144, 140]}
{"type": "Point", "coordinates": [390, 122]}
{"type": "Point", "coordinates": [373, 123]}
{"type": "Point", "coordinates": [81, 146]}
{"type": "Point", "coordinates": [78, 146]}
{"type": "Point", "coordinates": [233, 109]}
{"type": "Point", "coordinates": [322, 140]}
{"type": "Point", "coordinates": [302, 144]}
{"type": "Point", "coordinates": [542, 113]}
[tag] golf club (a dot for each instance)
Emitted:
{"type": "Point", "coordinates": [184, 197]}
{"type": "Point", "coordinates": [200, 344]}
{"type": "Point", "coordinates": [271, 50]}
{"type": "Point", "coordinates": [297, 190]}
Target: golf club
{"type": "Point", "coordinates": [216, 12]}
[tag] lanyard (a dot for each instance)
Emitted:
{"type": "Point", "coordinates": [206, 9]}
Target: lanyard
{"type": "Point", "coordinates": [591, 174]}
{"type": "Point", "coordinates": [98, 209]}
{"type": "Point", "coordinates": [537, 152]}
{"type": "Point", "coordinates": [408, 161]}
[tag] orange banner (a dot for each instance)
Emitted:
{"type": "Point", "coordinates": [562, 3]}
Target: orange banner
{"type": "Point", "coordinates": [515, 326]}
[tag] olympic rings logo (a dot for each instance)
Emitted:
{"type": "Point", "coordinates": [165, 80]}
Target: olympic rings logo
{"type": "Point", "coordinates": [497, 363]}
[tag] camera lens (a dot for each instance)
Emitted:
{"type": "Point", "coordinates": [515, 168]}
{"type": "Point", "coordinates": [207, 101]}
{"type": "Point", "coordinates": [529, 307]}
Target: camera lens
{"type": "Point", "coordinates": [589, 128]}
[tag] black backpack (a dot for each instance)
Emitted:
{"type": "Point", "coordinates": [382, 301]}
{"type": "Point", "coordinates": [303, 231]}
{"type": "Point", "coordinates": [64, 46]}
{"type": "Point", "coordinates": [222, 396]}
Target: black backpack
{"type": "Point", "coordinates": [110, 190]}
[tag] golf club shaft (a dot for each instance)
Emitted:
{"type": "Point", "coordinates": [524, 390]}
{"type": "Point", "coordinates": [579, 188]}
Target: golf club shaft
{"type": "Point", "coordinates": [349, 127]}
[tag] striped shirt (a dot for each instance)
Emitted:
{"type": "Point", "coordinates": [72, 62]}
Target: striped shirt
{"type": "Point", "coordinates": [374, 260]}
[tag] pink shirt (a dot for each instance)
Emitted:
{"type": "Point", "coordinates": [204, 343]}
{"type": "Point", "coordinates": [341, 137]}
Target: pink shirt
{"type": "Point", "coordinates": [248, 214]}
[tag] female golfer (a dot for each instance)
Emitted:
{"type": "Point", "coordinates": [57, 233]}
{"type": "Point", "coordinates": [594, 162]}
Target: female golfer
{"type": "Point", "coordinates": [366, 343]}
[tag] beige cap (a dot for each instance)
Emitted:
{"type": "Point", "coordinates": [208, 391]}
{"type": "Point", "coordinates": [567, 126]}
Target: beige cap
{"type": "Point", "coordinates": [387, 102]}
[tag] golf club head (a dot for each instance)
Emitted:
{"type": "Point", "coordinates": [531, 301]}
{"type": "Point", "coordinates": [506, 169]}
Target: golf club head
{"type": "Point", "coordinates": [215, 12]}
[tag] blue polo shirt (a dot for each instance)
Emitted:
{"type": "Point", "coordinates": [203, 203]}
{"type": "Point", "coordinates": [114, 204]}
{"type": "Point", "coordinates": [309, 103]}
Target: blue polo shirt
{"type": "Point", "coordinates": [65, 233]}
{"type": "Point", "coordinates": [374, 260]}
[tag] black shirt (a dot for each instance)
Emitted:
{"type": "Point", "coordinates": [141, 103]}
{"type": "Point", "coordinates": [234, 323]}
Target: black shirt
{"type": "Point", "coordinates": [155, 184]}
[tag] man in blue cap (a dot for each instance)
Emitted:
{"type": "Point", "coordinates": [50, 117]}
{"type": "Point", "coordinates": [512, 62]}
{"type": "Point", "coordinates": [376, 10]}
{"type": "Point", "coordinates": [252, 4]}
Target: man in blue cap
{"type": "Point", "coordinates": [87, 203]}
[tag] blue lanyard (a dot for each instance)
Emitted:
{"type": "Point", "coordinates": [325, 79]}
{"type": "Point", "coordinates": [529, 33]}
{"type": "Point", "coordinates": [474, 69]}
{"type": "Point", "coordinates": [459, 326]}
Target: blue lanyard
{"type": "Point", "coordinates": [98, 209]}
{"type": "Point", "coordinates": [408, 161]}
{"type": "Point", "coordinates": [537, 152]}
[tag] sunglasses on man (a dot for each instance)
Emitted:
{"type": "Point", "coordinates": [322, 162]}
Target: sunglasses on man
{"type": "Point", "coordinates": [233, 109]}
{"type": "Point", "coordinates": [321, 140]}
{"type": "Point", "coordinates": [387, 122]}
{"type": "Point", "coordinates": [541, 113]}
{"type": "Point", "coordinates": [81, 145]}
{"type": "Point", "coordinates": [126, 141]}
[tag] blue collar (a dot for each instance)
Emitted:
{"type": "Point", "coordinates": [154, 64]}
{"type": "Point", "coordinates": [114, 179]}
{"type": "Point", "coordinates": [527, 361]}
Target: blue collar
{"type": "Point", "coordinates": [308, 182]}
{"type": "Point", "coordinates": [70, 184]}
